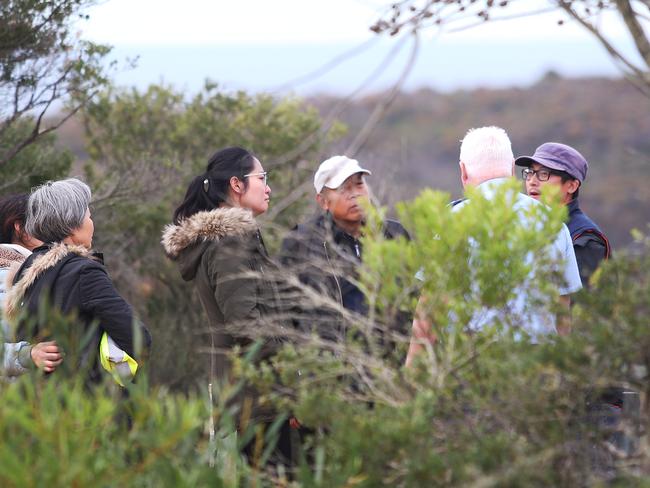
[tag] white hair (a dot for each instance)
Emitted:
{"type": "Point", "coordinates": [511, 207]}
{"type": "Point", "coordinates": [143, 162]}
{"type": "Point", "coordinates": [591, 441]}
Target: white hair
{"type": "Point", "coordinates": [56, 209]}
{"type": "Point", "coordinates": [486, 153]}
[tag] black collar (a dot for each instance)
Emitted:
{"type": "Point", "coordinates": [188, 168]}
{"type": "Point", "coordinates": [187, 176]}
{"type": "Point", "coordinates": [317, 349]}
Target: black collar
{"type": "Point", "coordinates": [338, 234]}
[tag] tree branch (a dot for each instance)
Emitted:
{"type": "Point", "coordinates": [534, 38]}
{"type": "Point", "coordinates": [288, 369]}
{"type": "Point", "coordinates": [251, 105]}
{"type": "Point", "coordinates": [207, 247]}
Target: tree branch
{"type": "Point", "coordinates": [36, 133]}
{"type": "Point", "coordinates": [636, 30]}
{"type": "Point", "coordinates": [615, 53]}
{"type": "Point", "coordinates": [386, 102]}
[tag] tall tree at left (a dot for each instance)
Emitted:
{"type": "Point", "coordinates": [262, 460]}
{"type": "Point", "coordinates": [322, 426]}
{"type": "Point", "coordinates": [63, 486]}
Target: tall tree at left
{"type": "Point", "coordinates": [47, 74]}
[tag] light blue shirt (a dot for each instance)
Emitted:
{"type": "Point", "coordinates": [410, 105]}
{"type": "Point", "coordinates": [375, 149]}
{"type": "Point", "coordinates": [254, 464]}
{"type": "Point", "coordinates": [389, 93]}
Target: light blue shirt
{"type": "Point", "coordinates": [537, 320]}
{"type": "Point", "coordinates": [10, 365]}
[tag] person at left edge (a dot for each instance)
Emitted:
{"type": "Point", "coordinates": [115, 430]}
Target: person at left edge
{"type": "Point", "coordinates": [15, 246]}
{"type": "Point", "coordinates": [66, 272]}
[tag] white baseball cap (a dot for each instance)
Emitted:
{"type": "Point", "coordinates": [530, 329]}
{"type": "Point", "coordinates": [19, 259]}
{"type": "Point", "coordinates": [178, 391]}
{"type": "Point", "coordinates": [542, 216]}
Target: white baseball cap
{"type": "Point", "coordinates": [334, 171]}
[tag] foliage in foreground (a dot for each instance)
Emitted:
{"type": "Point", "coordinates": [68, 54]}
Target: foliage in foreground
{"type": "Point", "coordinates": [494, 408]}
{"type": "Point", "coordinates": [56, 433]}
{"type": "Point", "coordinates": [482, 409]}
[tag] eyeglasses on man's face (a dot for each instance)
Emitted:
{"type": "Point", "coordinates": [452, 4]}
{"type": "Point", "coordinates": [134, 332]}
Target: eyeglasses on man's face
{"type": "Point", "coordinates": [263, 175]}
{"type": "Point", "coordinates": [542, 174]}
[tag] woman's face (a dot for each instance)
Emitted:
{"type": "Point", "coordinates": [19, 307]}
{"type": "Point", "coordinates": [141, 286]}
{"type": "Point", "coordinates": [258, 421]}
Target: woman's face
{"type": "Point", "coordinates": [83, 236]}
{"type": "Point", "coordinates": [257, 195]}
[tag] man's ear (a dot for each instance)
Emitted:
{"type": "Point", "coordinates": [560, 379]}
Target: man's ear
{"type": "Point", "coordinates": [236, 185]}
{"type": "Point", "coordinates": [573, 186]}
{"type": "Point", "coordinates": [464, 177]}
{"type": "Point", "coordinates": [323, 202]}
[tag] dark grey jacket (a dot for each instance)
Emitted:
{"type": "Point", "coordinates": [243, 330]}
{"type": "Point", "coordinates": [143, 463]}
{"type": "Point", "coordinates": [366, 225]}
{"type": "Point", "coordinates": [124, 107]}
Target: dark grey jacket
{"type": "Point", "coordinates": [589, 242]}
{"type": "Point", "coordinates": [326, 260]}
{"type": "Point", "coordinates": [223, 254]}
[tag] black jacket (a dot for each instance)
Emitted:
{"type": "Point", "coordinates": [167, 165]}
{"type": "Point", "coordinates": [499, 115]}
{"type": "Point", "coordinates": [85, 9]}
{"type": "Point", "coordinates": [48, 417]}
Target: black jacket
{"type": "Point", "coordinates": [589, 242]}
{"type": "Point", "coordinates": [326, 260]}
{"type": "Point", "coordinates": [76, 282]}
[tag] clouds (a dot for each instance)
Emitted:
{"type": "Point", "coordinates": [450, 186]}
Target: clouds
{"type": "Point", "coordinates": [219, 21]}
{"type": "Point", "coordinates": [187, 22]}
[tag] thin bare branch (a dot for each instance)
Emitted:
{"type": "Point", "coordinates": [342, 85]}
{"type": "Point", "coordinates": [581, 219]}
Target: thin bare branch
{"type": "Point", "coordinates": [334, 113]}
{"type": "Point", "coordinates": [615, 53]}
{"type": "Point", "coordinates": [35, 134]}
{"type": "Point", "coordinates": [328, 66]}
{"type": "Point", "coordinates": [385, 103]}
{"type": "Point", "coordinates": [500, 18]}
{"type": "Point", "coordinates": [636, 30]}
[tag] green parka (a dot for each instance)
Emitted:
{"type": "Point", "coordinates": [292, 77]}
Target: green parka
{"type": "Point", "coordinates": [222, 252]}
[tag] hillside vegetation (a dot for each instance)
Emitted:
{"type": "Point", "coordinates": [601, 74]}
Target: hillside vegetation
{"type": "Point", "coordinates": [416, 145]}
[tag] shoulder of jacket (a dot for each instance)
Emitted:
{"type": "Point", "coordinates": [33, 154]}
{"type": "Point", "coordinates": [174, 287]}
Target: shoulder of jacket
{"type": "Point", "coordinates": [453, 203]}
{"type": "Point", "coordinates": [229, 248]}
{"type": "Point", "coordinates": [587, 238]}
{"type": "Point", "coordinates": [39, 264]}
{"type": "Point", "coordinates": [310, 229]}
{"type": "Point", "coordinates": [395, 228]}
{"type": "Point", "coordinates": [87, 265]}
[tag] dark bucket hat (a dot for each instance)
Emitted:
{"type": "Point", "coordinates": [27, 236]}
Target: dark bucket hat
{"type": "Point", "coordinates": [559, 157]}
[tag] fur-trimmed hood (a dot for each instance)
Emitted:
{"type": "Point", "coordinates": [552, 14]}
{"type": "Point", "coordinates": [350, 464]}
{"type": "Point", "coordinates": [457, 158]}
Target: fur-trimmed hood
{"type": "Point", "coordinates": [186, 242]}
{"type": "Point", "coordinates": [40, 265]}
{"type": "Point", "coordinates": [212, 225]}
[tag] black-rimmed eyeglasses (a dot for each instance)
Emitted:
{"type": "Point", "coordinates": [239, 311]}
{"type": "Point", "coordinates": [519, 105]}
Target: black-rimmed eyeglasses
{"type": "Point", "coordinates": [542, 174]}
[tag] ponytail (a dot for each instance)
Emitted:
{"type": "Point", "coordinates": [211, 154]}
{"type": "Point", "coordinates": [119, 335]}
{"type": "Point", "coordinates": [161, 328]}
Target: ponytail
{"type": "Point", "coordinates": [195, 200]}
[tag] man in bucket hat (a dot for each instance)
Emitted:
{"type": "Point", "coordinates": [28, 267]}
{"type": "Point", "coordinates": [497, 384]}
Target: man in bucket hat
{"type": "Point", "coordinates": [325, 252]}
{"type": "Point", "coordinates": [564, 167]}
{"type": "Point", "coordinates": [561, 165]}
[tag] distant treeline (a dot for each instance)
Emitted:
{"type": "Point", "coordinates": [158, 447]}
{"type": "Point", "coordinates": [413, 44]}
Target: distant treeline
{"type": "Point", "coordinates": [416, 145]}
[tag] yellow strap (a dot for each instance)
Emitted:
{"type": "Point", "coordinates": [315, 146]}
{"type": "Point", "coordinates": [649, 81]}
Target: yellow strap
{"type": "Point", "coordinates": [116, 368]}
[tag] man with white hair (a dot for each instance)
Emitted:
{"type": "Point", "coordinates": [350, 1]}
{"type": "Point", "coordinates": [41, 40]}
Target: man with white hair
{"type": "Point", "coordinates": [487, 163]}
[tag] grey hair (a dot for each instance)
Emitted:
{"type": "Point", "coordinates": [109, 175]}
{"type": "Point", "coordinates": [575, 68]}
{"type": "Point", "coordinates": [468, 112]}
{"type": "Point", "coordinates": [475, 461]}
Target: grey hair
{"type": "Point", "coordinates": [56, 209]}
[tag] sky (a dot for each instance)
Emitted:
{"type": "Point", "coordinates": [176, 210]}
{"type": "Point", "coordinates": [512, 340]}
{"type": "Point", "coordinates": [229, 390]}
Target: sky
{"type": "Point", "coordinates": [274, 45]}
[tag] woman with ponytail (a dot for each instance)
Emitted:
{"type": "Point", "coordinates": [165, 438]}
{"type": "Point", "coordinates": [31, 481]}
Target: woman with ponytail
{"type": "Point", "coordinates": [217, 245]}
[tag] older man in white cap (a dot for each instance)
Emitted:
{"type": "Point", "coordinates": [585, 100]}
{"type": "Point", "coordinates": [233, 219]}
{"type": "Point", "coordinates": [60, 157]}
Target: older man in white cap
{"type": "Point", "coordinates": [326, 251]}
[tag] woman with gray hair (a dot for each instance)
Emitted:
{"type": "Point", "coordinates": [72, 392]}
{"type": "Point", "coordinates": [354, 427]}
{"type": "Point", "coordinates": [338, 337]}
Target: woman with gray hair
{"type": "Point", "coordinates": [65, 274]}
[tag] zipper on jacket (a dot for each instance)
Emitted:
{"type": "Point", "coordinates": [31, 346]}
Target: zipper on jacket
{"type": "Point", "coordinates": [338, 285]}
{"type": "Point", "coordinates": [261, 245]}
